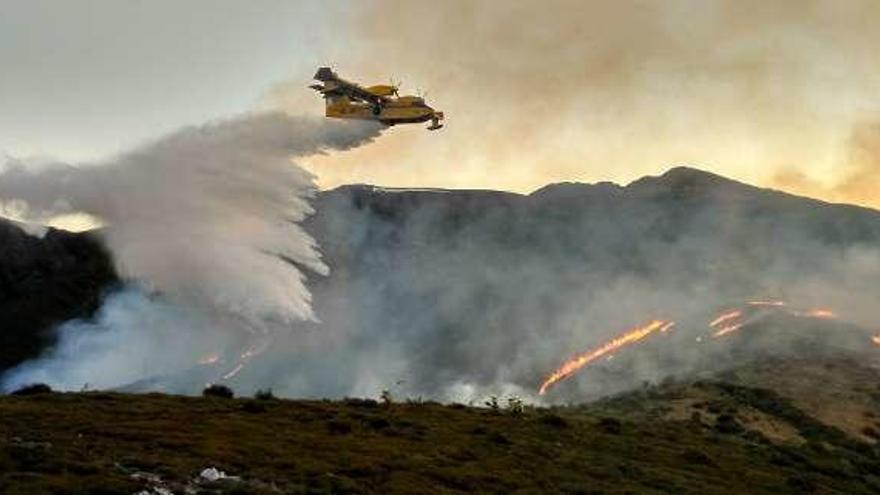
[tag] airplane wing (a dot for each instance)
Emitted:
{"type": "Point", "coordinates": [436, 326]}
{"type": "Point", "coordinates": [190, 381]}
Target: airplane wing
{"type": "Point", "coordinates": [334, 85]}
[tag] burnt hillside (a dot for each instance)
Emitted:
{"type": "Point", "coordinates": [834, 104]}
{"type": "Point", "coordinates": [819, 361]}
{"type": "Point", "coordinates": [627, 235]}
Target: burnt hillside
{"type": "Point", "coordinates": [43, 282]}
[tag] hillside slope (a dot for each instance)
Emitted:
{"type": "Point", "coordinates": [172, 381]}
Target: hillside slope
{"type": "Point", "coordinates": [478, 288]}
{"type": "Point", "coordinates": [457, 293]}
{"type": "Point", "coordinates": [704, 437]}
{"type": "Point", "coordinates": [45, 281]}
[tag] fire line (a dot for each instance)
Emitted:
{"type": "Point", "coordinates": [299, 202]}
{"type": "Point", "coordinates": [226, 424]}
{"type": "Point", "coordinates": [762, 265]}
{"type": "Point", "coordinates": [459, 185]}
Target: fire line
{"type": "Point", "coordinates": [631, 336]}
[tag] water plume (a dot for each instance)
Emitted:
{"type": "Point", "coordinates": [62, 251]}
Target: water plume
{"type": "Point", "coordinates": [207, 217]}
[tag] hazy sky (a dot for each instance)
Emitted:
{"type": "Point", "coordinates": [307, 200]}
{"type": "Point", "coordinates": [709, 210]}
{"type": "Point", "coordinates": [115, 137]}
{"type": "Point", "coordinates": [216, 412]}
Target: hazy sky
{"type": "Point", "coordinates": [85, 78]}
{"type": "Point", "coordinates": [783, 93]}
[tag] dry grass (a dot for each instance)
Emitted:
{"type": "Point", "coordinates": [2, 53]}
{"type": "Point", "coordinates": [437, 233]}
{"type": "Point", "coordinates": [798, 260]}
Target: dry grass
{"type": "Point", "coordinates": [95, 442]}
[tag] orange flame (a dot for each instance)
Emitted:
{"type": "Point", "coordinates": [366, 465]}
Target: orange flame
{"type": "Point", "coordinates": [727, 329]}
{"type": "Point", "coordinates": [821, 313]}
{"type": "Point", "coordinates": [725, 317]}
{"type": "Point", "coordinates": [632, 336]}
{"type": "Point", "coordinates": [667, 326]}
{"type": "Point", "coordinates": [876, 339]}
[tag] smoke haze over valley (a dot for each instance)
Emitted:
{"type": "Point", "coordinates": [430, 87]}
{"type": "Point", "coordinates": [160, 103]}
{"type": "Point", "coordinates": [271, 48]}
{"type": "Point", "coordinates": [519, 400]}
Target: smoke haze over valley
{"type": "Point", "coordinates": [457, 295]}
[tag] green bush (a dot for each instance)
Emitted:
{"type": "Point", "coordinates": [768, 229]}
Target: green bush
{"type": "Point", "coordinates": [515, 406]}
{"type": "Point", "coordinates": [33, 389]}
{"type": "Point", "coordinates": [611, 425]}
{"type": "Point", "coordinates": [554, 420]}
{"type": "Point", "coordinates": [221, 391]}
{"type": "Point", "coordinates": [264, 394]}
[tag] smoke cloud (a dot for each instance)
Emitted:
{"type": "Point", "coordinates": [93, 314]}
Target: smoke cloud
{"type": "Point", "coordinates": [537, 92]}
{"type": "Point", "coordinates": [464, 294]}
{"type": "Point", "coordinates": [858, 179]}
{"type": "Point", "coordinates": [206, 219]}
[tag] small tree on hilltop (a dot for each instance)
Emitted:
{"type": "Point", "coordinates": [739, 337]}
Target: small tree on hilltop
{"type": "Point", "coordinates": [264, 394]}
{"type": "Point", "coordinates": [33, 389]}
{"type": "Point", "coordinates": [515, 406]}
{"type": "Point", "coordinates": [215, 390]}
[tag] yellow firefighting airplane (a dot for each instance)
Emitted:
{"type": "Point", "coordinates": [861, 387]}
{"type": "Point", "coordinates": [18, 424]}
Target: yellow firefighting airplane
{"type": "Point", "coordinates": [347, 100]}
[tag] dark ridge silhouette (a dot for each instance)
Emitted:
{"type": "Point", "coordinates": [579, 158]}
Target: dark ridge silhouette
{"type": "Point", "coordinates": [43, 282]}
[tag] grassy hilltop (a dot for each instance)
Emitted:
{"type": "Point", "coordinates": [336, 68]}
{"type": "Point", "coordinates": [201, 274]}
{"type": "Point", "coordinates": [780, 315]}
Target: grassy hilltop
{"type": "Point", "coordinates": [718, 436]}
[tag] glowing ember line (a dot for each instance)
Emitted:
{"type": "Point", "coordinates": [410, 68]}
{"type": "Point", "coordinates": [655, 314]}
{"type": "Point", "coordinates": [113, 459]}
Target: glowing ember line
{"type": "Point", "coordinates": [234, 372]}
{"type": "Point", "coordinates": [766, 303]}
{"type": "Point", "coordinates": [251, 352]}
{"type": "Point", "coordinates": [571, 366]}
{"type": "Point", "coordinates": [725, 317]}
{"type": "Point", "coordinates": [727, 329]}
{"type": "Point", "coordinates": [209, 359]}
{"type": "Point", "coordinates": [821, 313]}
{"type": "Point", "coordinates": [246, 356]}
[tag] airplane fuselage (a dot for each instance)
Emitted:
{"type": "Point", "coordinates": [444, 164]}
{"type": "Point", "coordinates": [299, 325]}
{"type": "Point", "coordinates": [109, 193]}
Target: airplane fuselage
{"type": "Point", "coordinates": [347, 100]}
{"type": "Point", "coordinates": [392, 112]}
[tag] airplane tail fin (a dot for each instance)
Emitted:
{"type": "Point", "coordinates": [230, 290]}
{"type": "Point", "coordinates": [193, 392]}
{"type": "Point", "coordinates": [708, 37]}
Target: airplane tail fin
{"type": "Point", "coordinates": [325, 74]}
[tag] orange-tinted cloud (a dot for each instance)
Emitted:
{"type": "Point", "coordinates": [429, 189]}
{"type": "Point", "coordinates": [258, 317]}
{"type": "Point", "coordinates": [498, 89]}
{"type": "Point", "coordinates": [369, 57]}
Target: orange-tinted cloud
{"type": "Point", "coordinates": [858, 174]}
{"type": "Point", "coordinates": [537, 92]}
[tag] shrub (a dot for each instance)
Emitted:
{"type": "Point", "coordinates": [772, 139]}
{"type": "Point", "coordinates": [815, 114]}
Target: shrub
{"type": "Point", "coordinates": [358, 402]}
{"type": "Point", "coordinates": [498, 438]}
{"type": "Point", "coordinates": [480, 430]}
{"type": "Point", "coordinates": [694, 456]}
{"type": "Point", "coordinates": [727, 423]}
{"type": "Point", "coordinates": [387, 399]}
{"type": "Point", "coordinates": [339, 427]}
{"type": "Point", "coordinates": [515, 406]}
{"type": "Point", "coordinates": [611, 425]}
{"type": "Point", "coordinates": [492, 403]}
{"type": "Point", "coordinates": [221, 391]}
{"type": "Point", "coordinates": [801, 483]}
{"type": "Point", "coordinates": [378, 423]}
{"type": "Point", "coordinates": [554, 420]}
{"type": "Point", "coordinates": [33, 389]}
{"type": "Point", "coordinates": [264, 394]}
{"type": "Point", "coordinates": [253, 407]}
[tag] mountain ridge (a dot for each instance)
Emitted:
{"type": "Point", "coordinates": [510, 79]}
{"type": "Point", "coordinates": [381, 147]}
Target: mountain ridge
{"type": "Point", "coordinates": [459, 280]}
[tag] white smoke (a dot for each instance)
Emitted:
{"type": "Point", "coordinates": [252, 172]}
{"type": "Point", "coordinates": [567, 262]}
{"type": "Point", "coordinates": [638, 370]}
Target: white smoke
{"type": "Point", "coordinates": [208, 218]}
{"type": "Point", "coordinates": [132, 337]}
